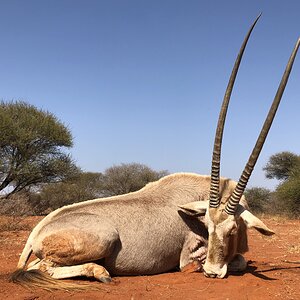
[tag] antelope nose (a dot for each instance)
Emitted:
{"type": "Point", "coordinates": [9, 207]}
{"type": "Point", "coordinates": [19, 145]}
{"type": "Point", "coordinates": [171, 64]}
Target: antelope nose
{"type": "Point", "coordinates": [215, 271]}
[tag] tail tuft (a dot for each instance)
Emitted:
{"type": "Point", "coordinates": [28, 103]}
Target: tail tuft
{"type": "Point", "coordinates": [39, 279]}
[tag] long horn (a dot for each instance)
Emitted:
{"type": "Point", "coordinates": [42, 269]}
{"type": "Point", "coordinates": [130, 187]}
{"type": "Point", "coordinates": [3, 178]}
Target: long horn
{"type": "Point", "coordinates": [240, 188]}
{"type": "Point", "coordinates": [214, 200]}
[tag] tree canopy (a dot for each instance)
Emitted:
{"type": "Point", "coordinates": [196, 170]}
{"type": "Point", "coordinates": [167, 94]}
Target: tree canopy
{"type": "Point", "coordinates": [32, 144]}
{"type": "Point", "coordinates": [281, 165]}
{"type": "Point", "coordinates": [127, 178]}
{"type": "Point", "coordinates": [285, 166]}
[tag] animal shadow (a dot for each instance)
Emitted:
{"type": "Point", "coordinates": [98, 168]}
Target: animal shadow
{"type": "Point", "coordinates": [260, 273]}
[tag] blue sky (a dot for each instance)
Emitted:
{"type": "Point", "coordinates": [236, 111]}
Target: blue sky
{"type": "Point", "coordinates": [143, 81]}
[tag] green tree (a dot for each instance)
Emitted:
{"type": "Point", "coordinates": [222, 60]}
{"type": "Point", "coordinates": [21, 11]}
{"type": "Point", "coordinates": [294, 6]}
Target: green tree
{"type": "Point", "coordinates": [295, 170]}
{"type": "Point", "coordinates": [287, 198]}
{"type": "Point", "coordinates": [285, 166]}
{"type": "Point", "coordinates": [280, 165]}
{"type": "Point", "coordinates": [127, 178]}
{"type": "Point", "coordinates": [32, 143]}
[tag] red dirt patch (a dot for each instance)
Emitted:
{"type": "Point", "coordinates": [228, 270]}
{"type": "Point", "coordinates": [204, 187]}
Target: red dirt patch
{"type": "Point", "coordinates": [273, 272]}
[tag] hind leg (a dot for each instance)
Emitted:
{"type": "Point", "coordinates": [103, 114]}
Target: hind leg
{"type": "Point", "coordinates": [68, 250]}
{"type": "Point", "coordinates": [89, 270]}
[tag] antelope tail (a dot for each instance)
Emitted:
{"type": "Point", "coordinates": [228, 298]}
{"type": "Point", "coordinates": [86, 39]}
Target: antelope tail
{"type": "Point", "coordinates": [38, 279]}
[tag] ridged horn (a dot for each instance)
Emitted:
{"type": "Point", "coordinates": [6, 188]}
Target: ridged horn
{"type": "Point", "coordinates": [240, 188]}
{"type": "Point", "coordinates": [214, 200]}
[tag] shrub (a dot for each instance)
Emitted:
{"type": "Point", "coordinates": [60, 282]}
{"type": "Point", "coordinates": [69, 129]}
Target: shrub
{"type": "Point", "coordinates": [258, 199]}
{"type": "Point", "coordinates": [86, 186]}
{"type": "Point", "coordinates": [287, 197]}
{"type": "Point", "coordinates": [126, 178]}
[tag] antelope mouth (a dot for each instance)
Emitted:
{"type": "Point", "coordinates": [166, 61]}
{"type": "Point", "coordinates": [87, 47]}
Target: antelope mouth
{"type": "Point", "coordinates": [216, 272]}
{"type": "Point", "coordinates": [210, 275]}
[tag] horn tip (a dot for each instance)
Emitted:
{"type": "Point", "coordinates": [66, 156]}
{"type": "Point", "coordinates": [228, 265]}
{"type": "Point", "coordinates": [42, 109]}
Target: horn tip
{"type": "Point", "coordinates": [257, 18]}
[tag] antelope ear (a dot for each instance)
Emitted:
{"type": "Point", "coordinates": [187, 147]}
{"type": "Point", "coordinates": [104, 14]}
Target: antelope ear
{"type": "Point", "coordinates": [253, 222]}
{"type": "Point", "coordinates": [197, 208]}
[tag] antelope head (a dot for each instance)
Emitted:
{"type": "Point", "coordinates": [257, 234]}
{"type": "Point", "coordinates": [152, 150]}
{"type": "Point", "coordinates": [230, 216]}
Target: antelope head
{"type": "Point", "coordinates": [223, 211]}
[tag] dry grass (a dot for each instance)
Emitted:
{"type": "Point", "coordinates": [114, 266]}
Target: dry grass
{"type": "Point", "coordinates": [13, 223]}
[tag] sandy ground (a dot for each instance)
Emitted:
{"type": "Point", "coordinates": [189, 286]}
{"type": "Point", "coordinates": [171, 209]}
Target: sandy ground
{"type": "Point", "coordinates": [273, 272]}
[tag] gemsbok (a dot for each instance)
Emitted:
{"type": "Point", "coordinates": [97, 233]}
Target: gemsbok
{"type": "Point", "coordinates": [185, 220]}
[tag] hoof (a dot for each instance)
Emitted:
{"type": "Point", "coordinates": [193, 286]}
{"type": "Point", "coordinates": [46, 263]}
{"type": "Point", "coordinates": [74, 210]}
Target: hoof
{"type": "Point", "coordinates": [105, 279]}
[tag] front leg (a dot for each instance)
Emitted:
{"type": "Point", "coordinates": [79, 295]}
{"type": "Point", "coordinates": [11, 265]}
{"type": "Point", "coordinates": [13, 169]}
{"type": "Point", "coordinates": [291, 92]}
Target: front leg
{"type": "Point", "coordinates": [193, 253]}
